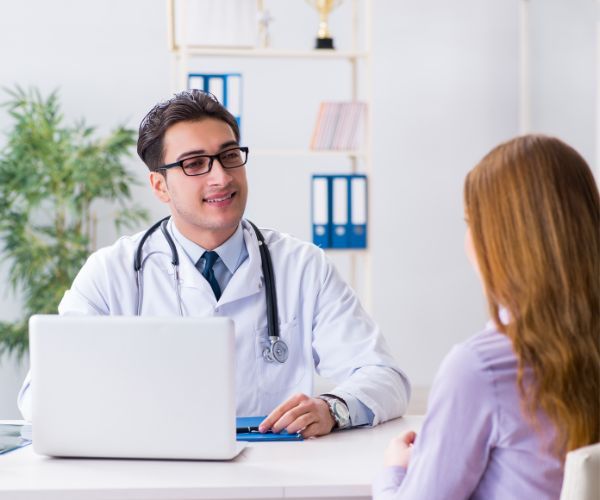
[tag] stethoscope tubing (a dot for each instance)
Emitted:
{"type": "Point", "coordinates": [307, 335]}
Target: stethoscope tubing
{"type": "Point", "coordinates": [271, 294]}
{"type": "Point", "coordinates": [277, 350]}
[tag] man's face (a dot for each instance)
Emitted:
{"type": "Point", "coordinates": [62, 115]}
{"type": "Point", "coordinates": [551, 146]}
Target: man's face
{"type": "Point", "coordinates": [205, 208]}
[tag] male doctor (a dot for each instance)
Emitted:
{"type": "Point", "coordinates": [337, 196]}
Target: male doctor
{"type": "Point", "coordinates": [190, 144]}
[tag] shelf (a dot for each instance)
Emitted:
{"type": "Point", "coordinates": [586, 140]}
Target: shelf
{"type": "Point", "coordinates": [355, 55]}
{"type": "Point", "coordinates": [307, 152]}
{"type": "Point", "coordinates": [270, 53]}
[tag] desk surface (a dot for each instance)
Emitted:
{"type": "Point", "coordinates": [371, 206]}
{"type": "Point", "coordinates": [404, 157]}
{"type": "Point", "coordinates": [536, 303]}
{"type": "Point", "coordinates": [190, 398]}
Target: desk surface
{"type": "Point", "coordinates": [340, 465]}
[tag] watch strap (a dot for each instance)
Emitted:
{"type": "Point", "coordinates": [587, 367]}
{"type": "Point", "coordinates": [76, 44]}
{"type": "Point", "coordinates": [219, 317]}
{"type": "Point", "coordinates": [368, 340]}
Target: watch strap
{"type": "Point", "coordinates": [331, 400]}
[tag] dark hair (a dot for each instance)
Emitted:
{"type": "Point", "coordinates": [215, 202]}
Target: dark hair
{"type": "Point", "coordinates": [189, 105]}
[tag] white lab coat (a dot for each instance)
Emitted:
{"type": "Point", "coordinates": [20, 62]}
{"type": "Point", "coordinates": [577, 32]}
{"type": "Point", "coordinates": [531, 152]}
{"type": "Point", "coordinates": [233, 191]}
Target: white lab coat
{"type": "Point", "coordinates": [321, 319]}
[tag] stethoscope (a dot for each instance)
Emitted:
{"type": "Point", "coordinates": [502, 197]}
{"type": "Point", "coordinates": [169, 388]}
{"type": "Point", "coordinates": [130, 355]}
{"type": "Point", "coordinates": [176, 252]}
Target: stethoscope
{"type": "Point", "coordinates": [277, 350]}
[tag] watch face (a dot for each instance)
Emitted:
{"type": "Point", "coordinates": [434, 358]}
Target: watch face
{"type": "Point", "coordinates": [341, 413]}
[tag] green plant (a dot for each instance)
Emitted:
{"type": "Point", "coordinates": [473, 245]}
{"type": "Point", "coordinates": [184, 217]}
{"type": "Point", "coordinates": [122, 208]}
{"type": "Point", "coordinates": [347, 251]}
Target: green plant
{"type": "Point", "coordinates": [50, 176]}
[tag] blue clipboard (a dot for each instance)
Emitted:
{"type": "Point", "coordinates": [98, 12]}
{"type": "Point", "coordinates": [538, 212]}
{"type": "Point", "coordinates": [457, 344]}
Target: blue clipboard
{"type": "Point", "coordinates": [257, 436]}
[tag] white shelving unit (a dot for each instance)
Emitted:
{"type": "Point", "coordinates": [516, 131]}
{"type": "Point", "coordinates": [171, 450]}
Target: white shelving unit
{"type": "Point", "coordinates": [274, 53]}
{"type": "Point", "coordinates": [358, 55]}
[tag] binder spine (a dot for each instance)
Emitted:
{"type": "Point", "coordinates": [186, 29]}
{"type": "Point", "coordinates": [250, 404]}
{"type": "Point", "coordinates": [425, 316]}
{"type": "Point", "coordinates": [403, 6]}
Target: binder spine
{"type": "Point", "coordinates": [357, 195]}
{"type": "Point", "coordinates": [321, 208]}
{"type": "Point", "coordinates": [340, 220]}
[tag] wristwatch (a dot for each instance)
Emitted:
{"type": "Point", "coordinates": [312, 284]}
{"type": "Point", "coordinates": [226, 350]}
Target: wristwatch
{"type": "Point", "coordinates": [339, 411]}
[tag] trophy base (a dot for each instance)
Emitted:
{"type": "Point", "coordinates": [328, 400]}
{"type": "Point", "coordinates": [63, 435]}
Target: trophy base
{"type": "Point", "coordinates": [324, 43]}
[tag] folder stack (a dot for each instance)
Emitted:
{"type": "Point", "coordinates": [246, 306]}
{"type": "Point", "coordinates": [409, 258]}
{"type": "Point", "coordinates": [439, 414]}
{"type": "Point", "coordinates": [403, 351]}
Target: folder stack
{"type": "Point", "coordinates": [226, 87]}
{"type": "Point", "coordinates": [339, 210]}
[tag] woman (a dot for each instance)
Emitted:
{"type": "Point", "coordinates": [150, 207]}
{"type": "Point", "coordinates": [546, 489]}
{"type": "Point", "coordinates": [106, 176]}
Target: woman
{"type": "Point", "coordinates": [508, 403]}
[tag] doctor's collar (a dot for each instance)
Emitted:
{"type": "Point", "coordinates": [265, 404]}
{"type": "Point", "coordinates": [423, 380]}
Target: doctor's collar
{"type": "Point", "coordinates": [230, 251]}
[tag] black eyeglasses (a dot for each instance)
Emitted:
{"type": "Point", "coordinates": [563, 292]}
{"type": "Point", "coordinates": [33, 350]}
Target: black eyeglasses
{"type": "Point", "coordinates": [202, 164]}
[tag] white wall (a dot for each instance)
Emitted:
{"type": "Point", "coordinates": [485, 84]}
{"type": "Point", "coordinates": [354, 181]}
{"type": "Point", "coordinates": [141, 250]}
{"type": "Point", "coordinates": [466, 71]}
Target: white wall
{"type": "Point", "coordinates": [445, 90]}
{"type": "Point", "coordinates": [109, 61]}
{"type": "Point", "coordinates": [564, 72]}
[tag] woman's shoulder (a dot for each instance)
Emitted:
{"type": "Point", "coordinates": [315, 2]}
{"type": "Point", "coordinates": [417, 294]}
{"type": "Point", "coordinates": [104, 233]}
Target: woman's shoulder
{"type": "Point", "coordinates": [493, 349]}
{"type": "Point", "coordinates": [489, 343]}
{"type": "Point", "coordinates": [477, 361]}
{"type": "Point", "coordinates": [465, 385]}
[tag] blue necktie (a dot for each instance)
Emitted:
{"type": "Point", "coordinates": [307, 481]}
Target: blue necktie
{"type": "Point", "coordinates": [209, 260]}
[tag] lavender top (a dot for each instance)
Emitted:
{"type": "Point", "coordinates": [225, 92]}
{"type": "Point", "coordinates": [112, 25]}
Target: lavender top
{"type": "Point", "coordinates": [475, 441]}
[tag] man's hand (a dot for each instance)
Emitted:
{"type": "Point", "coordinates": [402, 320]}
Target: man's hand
{"type": "Point", "coordinates": [400, 449]}
{"type": "Point", "coordinates": [300, 413]}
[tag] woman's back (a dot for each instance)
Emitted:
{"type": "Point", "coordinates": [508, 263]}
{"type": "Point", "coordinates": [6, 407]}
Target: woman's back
{"type": "Point", "coordinates": [476, 442]}
{"type": "Point", "coordinates": [520, 463]}
{"type": "Point", "coordinates": [511, 401]}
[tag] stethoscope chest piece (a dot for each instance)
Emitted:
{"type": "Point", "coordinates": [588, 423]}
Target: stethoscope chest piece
{"type": "Point", "coordinates": [276, 351]}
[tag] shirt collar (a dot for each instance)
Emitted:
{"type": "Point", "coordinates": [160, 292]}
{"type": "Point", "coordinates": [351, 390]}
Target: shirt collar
{"type": "Point", "coordinates": [230, 252]}
{"type": "Point", "coordinates": [503, 316]}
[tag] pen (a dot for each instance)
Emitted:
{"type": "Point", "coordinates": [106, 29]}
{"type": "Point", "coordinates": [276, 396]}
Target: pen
{"type": "Point", "coordinates": [242, 430]}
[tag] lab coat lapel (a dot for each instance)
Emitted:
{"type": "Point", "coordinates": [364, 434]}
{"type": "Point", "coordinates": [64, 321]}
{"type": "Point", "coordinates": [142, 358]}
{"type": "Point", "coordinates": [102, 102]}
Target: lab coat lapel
{"type": "Point", "coordinates": [189, 276]}
{"type": "Point", "coordinates": [248, 279]}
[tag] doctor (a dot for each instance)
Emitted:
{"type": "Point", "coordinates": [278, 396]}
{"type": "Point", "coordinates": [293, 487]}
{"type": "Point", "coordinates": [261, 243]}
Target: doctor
{"type": "Point", "coordinates": [190, 144]}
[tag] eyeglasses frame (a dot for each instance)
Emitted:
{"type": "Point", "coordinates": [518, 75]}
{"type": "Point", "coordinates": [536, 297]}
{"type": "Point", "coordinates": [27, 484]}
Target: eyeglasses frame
{"type": "Point", "coordinates": [211, 158]}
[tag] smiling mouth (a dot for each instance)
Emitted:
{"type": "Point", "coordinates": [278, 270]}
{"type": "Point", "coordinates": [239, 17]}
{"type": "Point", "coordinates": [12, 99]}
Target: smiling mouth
{"type": "Point", "coordinates": [218, 200]}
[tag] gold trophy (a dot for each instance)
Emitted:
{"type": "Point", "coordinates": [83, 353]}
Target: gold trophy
{"type": "Point", "coordinates": [324, 8]}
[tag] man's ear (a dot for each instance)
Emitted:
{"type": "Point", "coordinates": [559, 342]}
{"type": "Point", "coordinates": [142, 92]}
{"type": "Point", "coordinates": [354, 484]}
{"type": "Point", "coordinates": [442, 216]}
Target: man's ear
{"type": "Point", "coordinates": [158, 183]}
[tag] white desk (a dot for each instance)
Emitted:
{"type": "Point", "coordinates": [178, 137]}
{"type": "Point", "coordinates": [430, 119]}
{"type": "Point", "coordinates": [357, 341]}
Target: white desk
{"type": "Point", "coordinates": [340, 465]}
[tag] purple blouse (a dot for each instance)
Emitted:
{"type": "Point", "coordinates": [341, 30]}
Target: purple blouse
{"type": "Point", "coordinates": [475, 441]}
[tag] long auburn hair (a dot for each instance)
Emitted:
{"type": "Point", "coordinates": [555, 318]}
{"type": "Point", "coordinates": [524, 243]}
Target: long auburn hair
{"type": "Point", "coordinates": [533, 209]}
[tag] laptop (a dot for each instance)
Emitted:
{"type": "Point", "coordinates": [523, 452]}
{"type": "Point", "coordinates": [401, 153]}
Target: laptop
{"type": "Point", "coordinates": [133, 387]}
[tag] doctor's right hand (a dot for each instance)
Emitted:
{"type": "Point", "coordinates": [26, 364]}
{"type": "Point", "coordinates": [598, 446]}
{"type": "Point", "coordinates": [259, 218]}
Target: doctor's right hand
{"type": "Point", "coordinates": [301, 413]}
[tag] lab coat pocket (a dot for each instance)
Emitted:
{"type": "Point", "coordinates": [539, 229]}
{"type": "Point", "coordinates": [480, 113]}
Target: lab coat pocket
{"type": "Point", "coordinates": [277, 377]}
